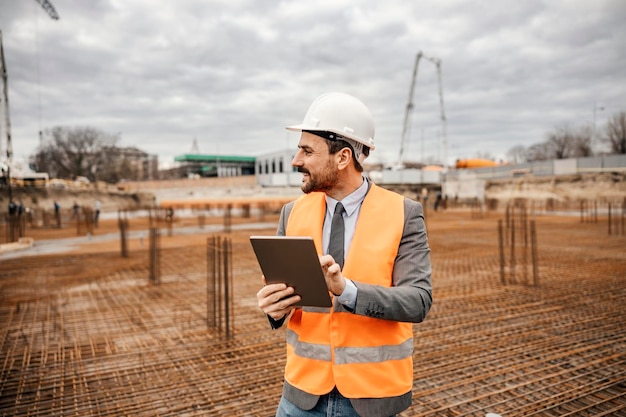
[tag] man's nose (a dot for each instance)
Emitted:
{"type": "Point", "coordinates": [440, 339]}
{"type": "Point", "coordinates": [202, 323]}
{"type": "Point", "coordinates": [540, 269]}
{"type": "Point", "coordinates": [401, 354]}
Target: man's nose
{"type": "Point", "coordinates": [296, 161]}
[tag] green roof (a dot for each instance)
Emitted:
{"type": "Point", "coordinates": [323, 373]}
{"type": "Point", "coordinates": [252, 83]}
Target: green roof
{"type": "Point", "coordinates": [213, 158]}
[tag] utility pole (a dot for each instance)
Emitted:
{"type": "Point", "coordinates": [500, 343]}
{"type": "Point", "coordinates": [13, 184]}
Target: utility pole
{"type": "Point", "coordinates": [595, 109]}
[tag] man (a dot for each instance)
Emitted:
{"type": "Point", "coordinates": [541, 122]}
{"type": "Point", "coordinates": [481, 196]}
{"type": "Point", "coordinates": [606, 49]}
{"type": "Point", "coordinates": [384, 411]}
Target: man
{"type": "Point", "coordinates": [354, 359]}
{"type": "Point", "coordinates": [96, 217]}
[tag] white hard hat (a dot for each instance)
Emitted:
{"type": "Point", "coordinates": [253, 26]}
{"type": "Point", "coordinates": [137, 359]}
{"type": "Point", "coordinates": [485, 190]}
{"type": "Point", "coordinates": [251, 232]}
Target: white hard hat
{"type": "Point", "coordinates": [343, 115]}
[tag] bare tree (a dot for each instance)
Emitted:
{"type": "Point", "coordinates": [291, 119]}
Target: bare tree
{"type": "Point", "coordinates": [517, 154]}
{"type": "Point", "coordinates": [581, 142]}
{"type": "Point", "coordinates": [484, 155]}
{"type": "Point", "coordinates": [566, 142]}
{"type": "Point", "coordinates": [559, 142]}
{"type": "Point", "coordinates": [573, 142]}
{"type": "Point", "coordinates": [69, 152]}
{"type": "Point", "coordinates": [616, 133]}
{"type": "Point", "coordinates": [539, 152]}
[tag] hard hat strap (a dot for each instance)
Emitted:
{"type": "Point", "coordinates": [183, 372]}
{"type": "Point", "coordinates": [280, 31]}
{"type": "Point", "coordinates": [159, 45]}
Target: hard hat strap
{"type": "Point", "coordinates": [357, 148]}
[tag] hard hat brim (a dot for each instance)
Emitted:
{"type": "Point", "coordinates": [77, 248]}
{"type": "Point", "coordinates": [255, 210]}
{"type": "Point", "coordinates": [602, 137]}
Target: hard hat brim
{"type": "Point", "coordinates": [302, 127]}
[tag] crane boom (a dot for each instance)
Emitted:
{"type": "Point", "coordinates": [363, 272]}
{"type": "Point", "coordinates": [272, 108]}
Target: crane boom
{"type": "Point", "coordinates": [49, 8]}
{"type": "Point", "coordinates": [409, 108]}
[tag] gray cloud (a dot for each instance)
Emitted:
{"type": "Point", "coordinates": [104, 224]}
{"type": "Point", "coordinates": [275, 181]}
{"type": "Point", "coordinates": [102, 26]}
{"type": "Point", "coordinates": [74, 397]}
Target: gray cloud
{"type": "Point", "coordinates": [233, 73]}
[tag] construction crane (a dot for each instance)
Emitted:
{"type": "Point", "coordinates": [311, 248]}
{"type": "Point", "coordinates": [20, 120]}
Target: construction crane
{"type": "Point", "coordinates": [5, 100]}
{"type": "Point", "coordinates": [409, 108]}
{"type": "Point", "coordinates": [49, 8]}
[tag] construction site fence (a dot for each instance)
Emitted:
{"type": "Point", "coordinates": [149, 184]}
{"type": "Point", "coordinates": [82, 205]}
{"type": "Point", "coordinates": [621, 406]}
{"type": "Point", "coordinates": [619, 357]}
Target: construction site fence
{"type": "Point", "coordinates": [17, 224]}
{"type": "Point", "coordinates": [555, 206]}
{"type": "Point", "coordinates": [570, 166]}
{"type": "Point", "coordinates": [85, 220]}
{"type": "Point", "coordinates": [589, 210]}
{"type": "Point", "coordinates": [610, 212]}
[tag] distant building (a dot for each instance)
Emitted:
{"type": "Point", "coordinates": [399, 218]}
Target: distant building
{"type": "Point", "coordinates": [214, 165]}
{"type": "Point", "coordinates": [274, 169]}
{"type": "Point", "coordinates": [21, 174]}
{"type": "Point", "coordinates": [134, 164]}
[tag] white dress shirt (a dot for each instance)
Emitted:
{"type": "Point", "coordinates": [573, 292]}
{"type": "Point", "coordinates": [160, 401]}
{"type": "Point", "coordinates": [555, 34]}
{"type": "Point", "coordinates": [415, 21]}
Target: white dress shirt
{"type": "Point", "coordinates": [352, 205]}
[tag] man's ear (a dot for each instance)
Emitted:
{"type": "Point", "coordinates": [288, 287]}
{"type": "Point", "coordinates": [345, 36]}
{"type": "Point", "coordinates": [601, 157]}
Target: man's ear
{"type": "Point", "coordinates": [344, 158]}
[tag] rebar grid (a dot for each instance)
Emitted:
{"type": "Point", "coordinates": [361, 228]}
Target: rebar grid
{"type": "Point", "coordinates": [89, 335]}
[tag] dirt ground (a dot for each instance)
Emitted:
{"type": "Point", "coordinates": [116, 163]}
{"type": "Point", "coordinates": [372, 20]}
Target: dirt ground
{"type": "Point", "coordinates": [86, 332]}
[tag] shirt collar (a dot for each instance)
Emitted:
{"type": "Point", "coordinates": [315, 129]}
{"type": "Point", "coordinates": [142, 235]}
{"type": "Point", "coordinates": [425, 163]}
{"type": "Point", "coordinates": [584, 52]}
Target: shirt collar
{"type": "Point", "coordinates": [352, 201]}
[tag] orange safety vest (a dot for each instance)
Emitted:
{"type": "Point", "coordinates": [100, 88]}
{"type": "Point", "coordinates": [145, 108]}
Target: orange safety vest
{"type": "Point", "coordinates": [364, 357]}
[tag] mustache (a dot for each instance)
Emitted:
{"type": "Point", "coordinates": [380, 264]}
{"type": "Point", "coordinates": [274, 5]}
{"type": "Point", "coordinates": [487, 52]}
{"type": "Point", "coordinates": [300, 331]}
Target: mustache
{"type": "Point", "coordinates": [303, 170]}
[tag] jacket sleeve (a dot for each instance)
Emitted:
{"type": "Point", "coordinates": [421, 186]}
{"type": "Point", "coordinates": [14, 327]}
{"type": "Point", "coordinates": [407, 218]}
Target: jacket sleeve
{"type": "Point", "coordinates": [281, 230]}
{"type": "Point", "coordinates": [410, 297]}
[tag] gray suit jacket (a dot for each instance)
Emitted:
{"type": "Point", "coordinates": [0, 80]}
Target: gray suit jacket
{"type": "Point", "coordinates": [408, 300]}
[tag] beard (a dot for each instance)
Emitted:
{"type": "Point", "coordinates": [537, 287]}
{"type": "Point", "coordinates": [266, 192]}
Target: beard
{"type": "Point", "coordinates": [322, 181]}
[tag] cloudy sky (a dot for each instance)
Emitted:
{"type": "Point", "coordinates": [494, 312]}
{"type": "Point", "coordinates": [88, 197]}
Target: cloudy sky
{"type": "Point", "coordinates": [232, 73]}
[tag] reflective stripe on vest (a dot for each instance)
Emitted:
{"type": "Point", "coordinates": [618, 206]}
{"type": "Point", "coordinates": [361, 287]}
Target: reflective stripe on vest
{"type": "Point", "coordinates": [308, 350]}
{"type": "Point", "coordinates": [374, 354]}
{"type": "Point", "coordinates": [347, 355]}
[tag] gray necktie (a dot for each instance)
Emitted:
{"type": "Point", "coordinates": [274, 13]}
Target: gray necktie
{"type": "Point", "coordinates": [335, 247]}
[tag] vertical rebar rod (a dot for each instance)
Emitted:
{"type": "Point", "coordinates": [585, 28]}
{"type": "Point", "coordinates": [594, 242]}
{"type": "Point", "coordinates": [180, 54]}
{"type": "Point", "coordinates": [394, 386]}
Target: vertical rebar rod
{"type": "Point", "coordinates": [219, 276]}
{"type": "Point", "coordinates": [533, 240]}
{"type": "Point", "coordinates": [78, 223]}
{"type": "Point", "coordinates": [154, 256]}
{"type": "Point", "coordinates": [506, 225]}
{"type": "Point", "coordinates": [610, 219]}
{"type": "Point", "coordinates": [123, 226]}
{"type": "Point", "coordinates": [623, 214]}
{"type": "Point", "coordinates": [501, 248]}
{"type": "Point", "coordinates": [512, 254]}
{"type": "Point", "coordinates": [211, 279]}
{"type": "Point", "coordinates": [582, 211]}
{"type": "Point", "coordinates": [232, 291]}
{"type": "Point", "coordinates": [524, 226]}
{"type": "Point", "coordinates": [228, 218]}
{"type": "Point", "coordinates": [220, 285]}
{"type": "Point", "coordinates": [227, 303]}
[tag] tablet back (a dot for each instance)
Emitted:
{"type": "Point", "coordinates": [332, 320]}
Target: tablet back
{"type": "Point", "coordinates": [294, 261]}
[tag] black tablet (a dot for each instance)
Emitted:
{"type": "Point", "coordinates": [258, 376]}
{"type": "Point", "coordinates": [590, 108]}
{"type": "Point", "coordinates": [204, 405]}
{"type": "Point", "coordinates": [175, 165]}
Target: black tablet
{"type": "Point", "coordinates": [293, 260]}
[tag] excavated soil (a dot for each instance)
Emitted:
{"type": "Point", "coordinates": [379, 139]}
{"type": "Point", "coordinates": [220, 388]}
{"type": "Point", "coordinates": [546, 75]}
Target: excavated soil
{"type": "Point", "coordinates": [85, 332]}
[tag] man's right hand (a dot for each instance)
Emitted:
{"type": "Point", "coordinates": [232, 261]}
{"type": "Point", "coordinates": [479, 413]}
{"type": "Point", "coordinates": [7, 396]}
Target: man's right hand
{"type": "Point", "coordinates": [277, 300]}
